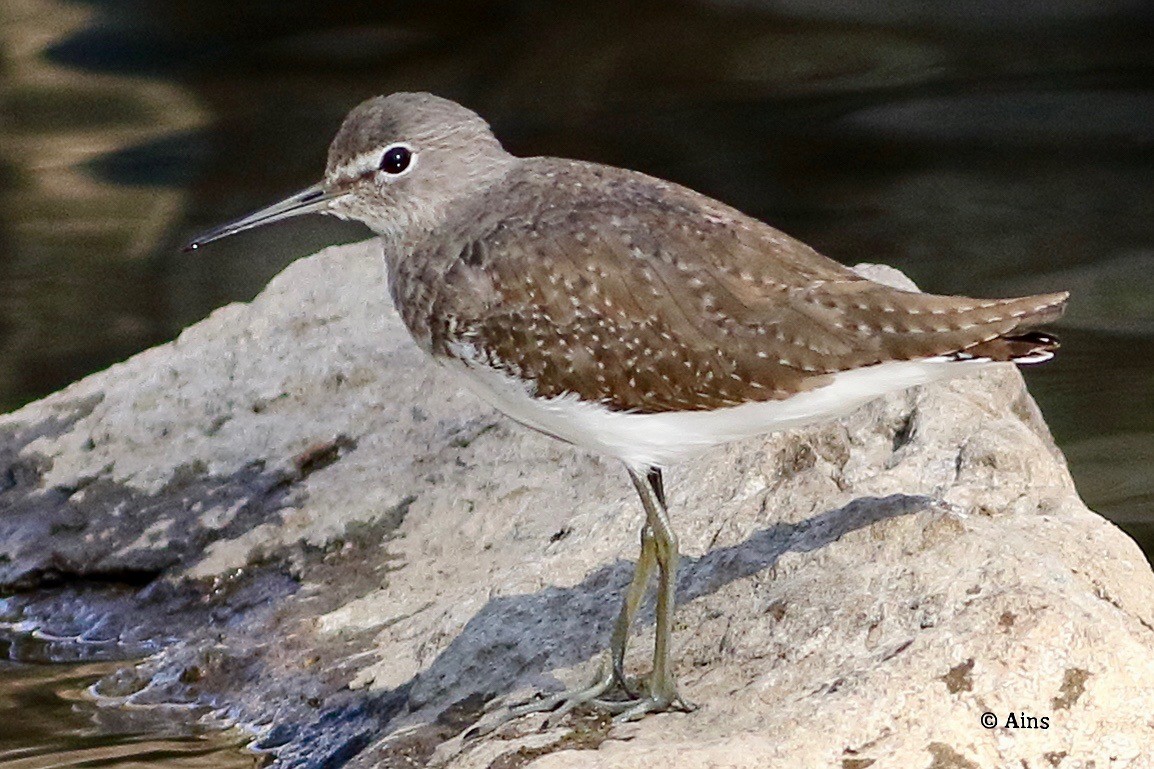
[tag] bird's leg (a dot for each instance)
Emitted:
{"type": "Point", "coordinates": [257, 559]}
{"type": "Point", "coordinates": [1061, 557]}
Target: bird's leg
{"type": "Point", "coordinates": [646, 560]}
{"type": "Point", "coordinates": [662, 694]}
{"type": "Point", "coordinates": [658, 550]}
{"type": "Point", "coordinates": [611, 671]}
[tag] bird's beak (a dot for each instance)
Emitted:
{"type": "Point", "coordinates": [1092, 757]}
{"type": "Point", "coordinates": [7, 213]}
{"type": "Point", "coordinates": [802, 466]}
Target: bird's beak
{"type": "Point", "coordinates": [311, 200]}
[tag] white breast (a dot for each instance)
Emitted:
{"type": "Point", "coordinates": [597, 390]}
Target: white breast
{"type": "Point", "coordinates": [658, 440]}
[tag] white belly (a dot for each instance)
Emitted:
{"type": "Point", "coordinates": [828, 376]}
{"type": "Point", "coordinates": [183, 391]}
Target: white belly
{"type": "Point", "coordinates": [658, 440]}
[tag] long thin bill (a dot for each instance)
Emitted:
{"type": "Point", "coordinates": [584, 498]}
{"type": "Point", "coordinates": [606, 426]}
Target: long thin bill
{"type": "Point", "coordinates": [306, 201]}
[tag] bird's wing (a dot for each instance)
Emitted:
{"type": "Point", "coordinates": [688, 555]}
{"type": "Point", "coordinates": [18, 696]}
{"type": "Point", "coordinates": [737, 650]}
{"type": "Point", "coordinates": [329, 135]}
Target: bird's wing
{"type": "Point", "coordinates": [675, 302]}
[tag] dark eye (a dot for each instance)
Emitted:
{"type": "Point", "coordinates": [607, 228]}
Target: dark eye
{"type": "Point", "coordinates": [396, 160]}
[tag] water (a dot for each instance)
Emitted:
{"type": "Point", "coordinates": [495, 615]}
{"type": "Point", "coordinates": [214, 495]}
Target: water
{"type": "Point", "coordinates": [48, 721]}
{"type": "Point", "coordinates": [984, 148]}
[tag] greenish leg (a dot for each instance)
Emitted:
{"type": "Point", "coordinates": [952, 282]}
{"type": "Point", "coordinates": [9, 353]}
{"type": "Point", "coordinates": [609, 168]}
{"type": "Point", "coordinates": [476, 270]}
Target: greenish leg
{"type": "Point", "coordinates": [611, 672]}
{"type": "Point", "coordinates": [658, 550]}
{"type": "Point", "coordinates": [641, 574]}
{"type": "Point", "coordinates": [662, 694]}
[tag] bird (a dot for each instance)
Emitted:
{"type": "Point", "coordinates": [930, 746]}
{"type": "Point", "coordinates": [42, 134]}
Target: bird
{"type": "Point", "coordinates": [631, 317]}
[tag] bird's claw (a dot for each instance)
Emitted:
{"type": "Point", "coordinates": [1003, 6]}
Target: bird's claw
{"type": "Point", "coordinates": [558, 706]}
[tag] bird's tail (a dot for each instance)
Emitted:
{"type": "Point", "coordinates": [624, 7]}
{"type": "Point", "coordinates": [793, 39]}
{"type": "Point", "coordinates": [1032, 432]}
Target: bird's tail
{"type": "Point", "coordinates": [1022, 344]}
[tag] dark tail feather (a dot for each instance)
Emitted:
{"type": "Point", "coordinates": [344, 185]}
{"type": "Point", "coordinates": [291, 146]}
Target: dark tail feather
{"type": "Point", "coordinates": [1021, 348]}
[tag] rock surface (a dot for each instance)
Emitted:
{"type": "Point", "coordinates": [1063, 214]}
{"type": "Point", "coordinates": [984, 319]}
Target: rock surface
{"type": "Point", "coordinates": [316, 534]}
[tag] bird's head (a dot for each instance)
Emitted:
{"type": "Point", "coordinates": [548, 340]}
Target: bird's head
{"type": "Point", "coordinates": [395, 164]}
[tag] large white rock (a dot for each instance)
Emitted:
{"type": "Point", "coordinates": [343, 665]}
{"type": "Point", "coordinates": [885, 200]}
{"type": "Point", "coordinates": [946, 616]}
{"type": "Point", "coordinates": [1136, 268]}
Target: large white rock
{"type": "Point", "coordinates": [854, 595]}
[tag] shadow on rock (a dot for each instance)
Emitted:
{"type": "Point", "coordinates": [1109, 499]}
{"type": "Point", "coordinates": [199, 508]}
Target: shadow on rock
{"type": "Point", "coordinates": [517, 638]}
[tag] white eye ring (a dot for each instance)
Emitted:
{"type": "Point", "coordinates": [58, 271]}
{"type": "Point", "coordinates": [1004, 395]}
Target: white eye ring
{"type": "Point", "coordinates": [397, 160]}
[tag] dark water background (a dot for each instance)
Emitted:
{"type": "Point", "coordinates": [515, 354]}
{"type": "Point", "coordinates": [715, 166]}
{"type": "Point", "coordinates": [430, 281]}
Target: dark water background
{"type": "Point", "coordinates": [984, 148]}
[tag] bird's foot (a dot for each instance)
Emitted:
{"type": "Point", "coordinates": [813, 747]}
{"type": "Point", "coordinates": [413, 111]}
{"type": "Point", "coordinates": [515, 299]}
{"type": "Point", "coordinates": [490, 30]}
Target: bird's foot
{"type": "Point", "coordinates": [600, 695]}
{"type": "Point", "coordinates": [557, 705]}
{"type": "Point", "coordinates": [637, 707]}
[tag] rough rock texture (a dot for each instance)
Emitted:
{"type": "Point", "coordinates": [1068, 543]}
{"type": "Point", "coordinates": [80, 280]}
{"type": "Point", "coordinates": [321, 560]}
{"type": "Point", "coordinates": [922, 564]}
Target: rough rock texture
{"type": "Point", "coordinates": [320, 536]}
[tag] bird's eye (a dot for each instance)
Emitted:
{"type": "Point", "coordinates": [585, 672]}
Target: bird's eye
{"type": "Point", "coordinates": [396, 159]}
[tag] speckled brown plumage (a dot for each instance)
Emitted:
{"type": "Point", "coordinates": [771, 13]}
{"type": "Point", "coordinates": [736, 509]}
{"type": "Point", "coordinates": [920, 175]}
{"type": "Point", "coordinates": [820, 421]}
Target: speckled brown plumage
{"type": "Point", "coordinates": [646, 296]}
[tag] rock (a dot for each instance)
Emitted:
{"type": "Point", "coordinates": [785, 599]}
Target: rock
{"type": "Point", "coordinates": [320, 537]}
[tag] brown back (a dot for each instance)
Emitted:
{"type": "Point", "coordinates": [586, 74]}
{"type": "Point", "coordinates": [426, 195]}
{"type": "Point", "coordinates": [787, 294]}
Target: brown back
{"type": "Point", "coordinates": [647, 296]}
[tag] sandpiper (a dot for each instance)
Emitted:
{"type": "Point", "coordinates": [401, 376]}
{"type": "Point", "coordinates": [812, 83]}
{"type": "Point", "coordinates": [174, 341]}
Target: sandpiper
{"type": "Point", "coordinates": [630, 316]}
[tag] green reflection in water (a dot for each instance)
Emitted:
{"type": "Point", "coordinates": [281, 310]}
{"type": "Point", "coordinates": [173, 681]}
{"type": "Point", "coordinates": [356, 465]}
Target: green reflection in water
{"type": "Point", "coordinates": [47, 720]}
{"type": "Point", "coordinates": [1096, 397]}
